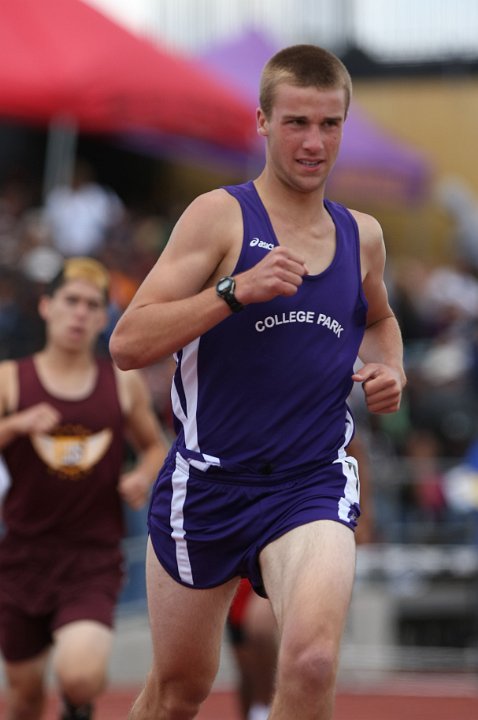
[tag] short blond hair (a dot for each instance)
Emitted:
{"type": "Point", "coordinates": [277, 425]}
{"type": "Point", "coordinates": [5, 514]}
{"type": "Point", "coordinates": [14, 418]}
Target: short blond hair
{"type": "Point", "coordinates": [82, 268]}
{"type": "Point", "coordinates": [303, 66]}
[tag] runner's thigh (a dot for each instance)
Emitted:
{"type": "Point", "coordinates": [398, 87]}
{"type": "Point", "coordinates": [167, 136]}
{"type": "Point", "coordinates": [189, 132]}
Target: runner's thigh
{"type": "Point", "coordinates": [27, 677]}
{"type": "Point", "coordinates": [308, 574]}
{"type": "Point", "coordinates": [187, 624]}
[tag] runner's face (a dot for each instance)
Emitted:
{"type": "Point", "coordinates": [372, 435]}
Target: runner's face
{"type": "Point", "coordinates": [303, 134]}
{"type": "Point", "coordinates": [74, 315]}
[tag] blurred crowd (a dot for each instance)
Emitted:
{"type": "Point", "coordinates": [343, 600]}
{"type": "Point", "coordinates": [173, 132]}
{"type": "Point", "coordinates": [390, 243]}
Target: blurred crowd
{"type": "Point", "coordinates": [85, 218]}
{"type": "Point", "coordinates": [426, 456]}
{"type": "Point", "coordinates": [423, 461]}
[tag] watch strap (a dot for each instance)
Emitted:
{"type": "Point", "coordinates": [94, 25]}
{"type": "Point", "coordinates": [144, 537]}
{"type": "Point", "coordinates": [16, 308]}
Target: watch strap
{"type": "Point", "coordinates": [227, 294]}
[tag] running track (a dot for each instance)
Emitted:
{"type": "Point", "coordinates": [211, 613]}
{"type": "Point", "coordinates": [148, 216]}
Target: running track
{"type": "Point", "coordinates": [437, 700]}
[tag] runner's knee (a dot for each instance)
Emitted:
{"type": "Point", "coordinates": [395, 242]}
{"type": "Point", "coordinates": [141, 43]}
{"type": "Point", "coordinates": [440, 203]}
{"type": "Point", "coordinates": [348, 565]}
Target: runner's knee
{"type": "Point", "coordinates": [174, 699]}
{"type": "Point", "coordinates": [25, 703]}
{"type": "Point", "coordinates": [309, 668]}
{"type": "Point", "coordinates": [80, 686]}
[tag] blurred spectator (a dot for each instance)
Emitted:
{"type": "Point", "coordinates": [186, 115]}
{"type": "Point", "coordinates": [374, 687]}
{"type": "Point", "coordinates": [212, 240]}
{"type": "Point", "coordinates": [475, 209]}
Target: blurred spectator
{"type": "Point", "coordinates": [41, 264]}
{"type": "Point", "coordinates": [449, 296]}
{"type": "Point", "coordinates": [457, 198]}
{"type": "Point", "coordinates": [36, 268]}
{"type": "Point", "coordinates": [442, 373]}
{"type": "Point", "coordinates": [461, 488]}
{"type": "Point", "coordinates": [16, 196]}
{"type": "Point", "coordinates": [81, 215]}
{"type": "Point", "coordinates": [427, 500]}
{"type": "Point", "coordinates": [406, 275]}
{"type": "Point", "coordinates": [9, 311]}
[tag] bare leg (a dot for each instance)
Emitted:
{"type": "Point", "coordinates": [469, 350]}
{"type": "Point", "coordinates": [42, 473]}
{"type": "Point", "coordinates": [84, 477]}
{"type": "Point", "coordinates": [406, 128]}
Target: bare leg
{"type": "Point", "coordinates": [187, 627]}
{"type": "Point", "coordinates": [25, 688]}
{"type": "Point", "coordinates": [309, 575]}
{"type": "Point", "coordinates": [81, 659]}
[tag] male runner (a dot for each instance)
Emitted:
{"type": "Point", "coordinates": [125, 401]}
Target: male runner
{"type": "Point", "coordinates": [266, 293]}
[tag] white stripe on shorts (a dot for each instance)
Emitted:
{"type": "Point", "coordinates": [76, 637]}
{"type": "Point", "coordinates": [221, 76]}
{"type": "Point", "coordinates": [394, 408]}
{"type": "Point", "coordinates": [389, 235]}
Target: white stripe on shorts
{"type": "Point", "coordinates": [179, 481]}
{"type": "Point", "coordinates": [351, 490]}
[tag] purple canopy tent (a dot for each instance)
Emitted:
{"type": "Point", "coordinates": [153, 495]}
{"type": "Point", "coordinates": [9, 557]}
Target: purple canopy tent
{"type": "Point", "coordinates": [371, 163]}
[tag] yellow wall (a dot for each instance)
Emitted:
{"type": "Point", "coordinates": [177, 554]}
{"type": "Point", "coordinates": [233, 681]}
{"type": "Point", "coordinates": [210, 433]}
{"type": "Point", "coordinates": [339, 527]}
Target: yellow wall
{"type": "Point", "coordinates": [439, 116]}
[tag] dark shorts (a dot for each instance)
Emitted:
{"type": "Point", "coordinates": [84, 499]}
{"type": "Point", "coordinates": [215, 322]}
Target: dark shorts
{"type": "Point", "coordinates": [43, 588]}
{"type": "Point", "coordinates": [206, 530]}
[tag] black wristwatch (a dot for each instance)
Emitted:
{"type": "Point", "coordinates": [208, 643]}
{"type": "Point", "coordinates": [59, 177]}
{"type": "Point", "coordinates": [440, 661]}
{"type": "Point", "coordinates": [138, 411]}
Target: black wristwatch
{"type": "Point", "coordinates": [225, 290]}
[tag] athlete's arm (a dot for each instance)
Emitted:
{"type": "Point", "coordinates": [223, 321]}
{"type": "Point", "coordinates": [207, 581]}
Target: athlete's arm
{"type": "Point", "coordinates": [381, 351]}
{"type": "Point", "coordinates": [39, 418]}
{"type": "Point", "coordinates": [171, 307]}
{"type": "Point", "coordinates": [145, 434]}
{"type": "Point", "coordinates": [177, 301]}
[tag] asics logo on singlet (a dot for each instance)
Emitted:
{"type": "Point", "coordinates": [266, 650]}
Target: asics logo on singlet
{"type": "Point", "coordinates": [257, 242]}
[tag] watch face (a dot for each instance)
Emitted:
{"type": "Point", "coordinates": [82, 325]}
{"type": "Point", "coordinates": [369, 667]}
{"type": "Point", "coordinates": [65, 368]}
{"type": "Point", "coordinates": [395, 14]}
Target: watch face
{"type": "Point", "coordinates": [225, 289]}
{"type": "Point", "coordinates": [224, 285]}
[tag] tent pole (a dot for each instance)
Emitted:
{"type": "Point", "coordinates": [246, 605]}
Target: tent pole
{"type": "Point", "coordinates": [60, 157]}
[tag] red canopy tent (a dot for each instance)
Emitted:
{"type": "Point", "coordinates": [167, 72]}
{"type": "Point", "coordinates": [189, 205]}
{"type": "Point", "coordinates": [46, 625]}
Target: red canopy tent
{"type": "Point", "coordinates": [63, 59]}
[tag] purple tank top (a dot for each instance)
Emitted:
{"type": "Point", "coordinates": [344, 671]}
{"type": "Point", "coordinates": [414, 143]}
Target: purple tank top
{"type": "Point", "coordinates": [265, 391]}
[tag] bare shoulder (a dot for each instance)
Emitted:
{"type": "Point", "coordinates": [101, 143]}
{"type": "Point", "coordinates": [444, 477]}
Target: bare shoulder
{"type": "Point", "coordinates": [207, 236]}
{"type": "Point", "coordinates": [215, 200]}
{"type": "Point", "coordinates": [372, 246]}
{"type": "Point", "coordinates": [8, 386]}
{"type": "Point", "coordinates": [369, 228]}
{"type": "Point", "coordinates": [210, 215]}
{"type": "Point", "coordinates": [131, 388]}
